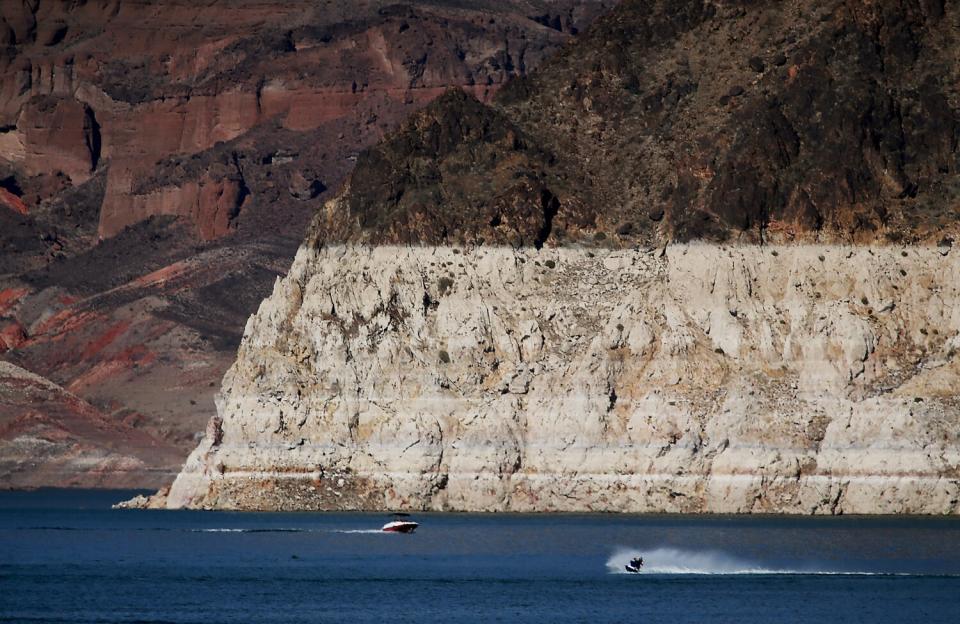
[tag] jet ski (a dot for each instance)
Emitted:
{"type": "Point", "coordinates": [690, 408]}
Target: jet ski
{"type": "Point", "coordinates": [400, 524]}
{"type": "Point", "coordinates": [634, 566]}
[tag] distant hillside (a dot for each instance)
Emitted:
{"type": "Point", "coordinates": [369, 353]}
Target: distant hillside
{"type": "Point", "coordinates": [159, 163]}
{"type": "Point", "coordinates": [681, 120]}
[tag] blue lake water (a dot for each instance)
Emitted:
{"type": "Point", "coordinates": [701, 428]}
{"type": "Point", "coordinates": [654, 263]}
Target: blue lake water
{"type": "Point", "coordinates": [66, 557]}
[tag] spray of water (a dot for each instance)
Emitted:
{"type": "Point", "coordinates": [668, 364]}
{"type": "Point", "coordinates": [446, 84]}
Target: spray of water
{"type": "Point", "coordinates": [679, 561]}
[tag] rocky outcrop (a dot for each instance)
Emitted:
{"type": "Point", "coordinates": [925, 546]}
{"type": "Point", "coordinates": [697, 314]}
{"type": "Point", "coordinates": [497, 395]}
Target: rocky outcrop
{"type": "Point", "coordinates": [512, 304]}
{"type": "Point", "coordinates": [693, 378]}
{"type": "Point", "coordinates": [59, 134]}
{"type": "Point", "coordinates": [160, 162]}
{"type": "Point", "coordinates": [212, 203]}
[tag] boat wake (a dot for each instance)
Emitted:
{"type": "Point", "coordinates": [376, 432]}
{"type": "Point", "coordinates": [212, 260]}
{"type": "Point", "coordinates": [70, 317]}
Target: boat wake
{"type": "Point", "coordinates": [206, 529]}
{"type": "Point", "coordinates": [241, 530]}
{"type": "Point", "coordinates": [679, 561]}
{"type": "Point", "coordinates": [168, 529]}
{"type": "Point", "coordinates": [340, 531]}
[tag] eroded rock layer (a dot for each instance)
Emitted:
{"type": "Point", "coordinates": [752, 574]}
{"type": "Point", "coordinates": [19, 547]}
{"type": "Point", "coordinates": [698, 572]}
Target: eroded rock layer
{"type": "Point", "coordinates": [220, 90]}
{"type": "Point", "coordinates": [160, 161]}
{"type": "Point", "coordinates": [50, 435]}
{"type": "Point", "coordinates": [692, 378]}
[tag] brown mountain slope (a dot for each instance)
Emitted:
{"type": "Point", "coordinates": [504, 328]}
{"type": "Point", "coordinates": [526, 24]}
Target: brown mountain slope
{"type": "Point", "coordinates": [122, 86]}
{"type": "Point", "coordinates": [159, 163]}
{"type": "Point", "coordinates": [761, 121]}
{"type": "Point", "coordinates": [49, 435]}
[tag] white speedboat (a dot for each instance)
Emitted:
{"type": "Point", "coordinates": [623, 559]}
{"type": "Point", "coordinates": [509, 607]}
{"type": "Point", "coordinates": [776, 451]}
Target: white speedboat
{"type": "Point", "coordinates": [400, 524]}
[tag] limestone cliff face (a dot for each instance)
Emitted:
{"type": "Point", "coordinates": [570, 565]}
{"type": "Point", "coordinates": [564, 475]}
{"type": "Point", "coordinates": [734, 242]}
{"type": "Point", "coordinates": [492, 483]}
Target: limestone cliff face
{"type": "Point", "coordinates": [695, 378]}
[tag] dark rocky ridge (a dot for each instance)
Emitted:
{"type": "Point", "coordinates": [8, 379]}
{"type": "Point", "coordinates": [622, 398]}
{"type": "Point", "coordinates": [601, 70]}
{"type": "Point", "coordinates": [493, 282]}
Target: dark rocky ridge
{"type": "Point", "coordinates": [460, 154]}
{"type": "Point", "coordinates": [739, 120]}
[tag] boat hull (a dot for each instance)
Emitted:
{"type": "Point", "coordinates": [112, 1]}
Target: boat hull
{"type": "Point", "coordinates": [400, 527]}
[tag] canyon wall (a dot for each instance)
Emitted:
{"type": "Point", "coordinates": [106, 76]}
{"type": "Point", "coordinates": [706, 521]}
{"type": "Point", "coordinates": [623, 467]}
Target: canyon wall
{"type": "Point", "coordinates": [700, 260]}
{"type": "Point", "coordinates": [690, 378]}
{"type": "Point", "coordinates": [190, 144]}
{"type": "Point", "coordinates": [159, 163]}
{"type": "Point", "coordinates": [123, 85]}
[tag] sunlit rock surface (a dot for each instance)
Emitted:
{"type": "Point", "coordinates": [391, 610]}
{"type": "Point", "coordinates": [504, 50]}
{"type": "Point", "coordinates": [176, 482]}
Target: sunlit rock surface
{"type": "Point", "coordinates": [691, 378]}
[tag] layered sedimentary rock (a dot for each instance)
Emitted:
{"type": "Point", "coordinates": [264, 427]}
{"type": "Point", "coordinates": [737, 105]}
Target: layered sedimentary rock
{"type": "Point", "coordinates": [125, 85]}
{"type": "Point", "coordinates": [701, 260]}
{"type": "Point", "coordinates": [159, 164]}
{"type": "Point", "coordinates": [816, 379]}
{"type": "Point", "coordinates": [50, 435]}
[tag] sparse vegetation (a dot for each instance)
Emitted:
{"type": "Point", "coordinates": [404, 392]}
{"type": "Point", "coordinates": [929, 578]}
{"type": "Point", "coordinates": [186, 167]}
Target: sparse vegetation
{"type": "Point", "coordinates": [444, 285]}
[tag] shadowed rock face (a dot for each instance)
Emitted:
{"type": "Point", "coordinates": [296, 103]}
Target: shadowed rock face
{"type": "Point", "coordinates": [458, 171]}
{"type": "Point", "coordinates": [689, 120]}
{"type": "Point", "coordinates": [160, 161]}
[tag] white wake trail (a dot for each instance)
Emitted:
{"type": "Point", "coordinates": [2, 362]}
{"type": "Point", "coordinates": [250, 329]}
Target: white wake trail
{"type": "Point", "coordinates": [678, 561]}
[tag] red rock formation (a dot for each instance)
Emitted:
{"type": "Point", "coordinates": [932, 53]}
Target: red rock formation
{"type": "Point", "coordinates": [59, 134]}
{"type": "Point", "coordinates": [159, 162]}
{"type": "Point", "coordinates": [48, 435]}
{"type": "Point", "coordinates": [130, 84]}
{"type": "Point", "coordinates": [211, 203]}
{"type": "Point", "coordinates": [12, 335]}
{"type": "Point", "coordinates": [13, 202]}
{"type": "Point", "coordinates": [9, 297]}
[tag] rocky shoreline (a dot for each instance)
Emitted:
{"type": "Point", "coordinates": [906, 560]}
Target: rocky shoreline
{"type": "Point", "coordinates": [807, 379]}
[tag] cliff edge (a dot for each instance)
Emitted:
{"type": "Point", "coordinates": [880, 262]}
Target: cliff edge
{"type": "Point", "coordinates": [815, 379]}
{"type": "Point", "coordinates": [700, 261]}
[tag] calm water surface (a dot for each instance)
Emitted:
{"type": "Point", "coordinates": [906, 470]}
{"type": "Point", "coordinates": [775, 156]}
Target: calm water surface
{"type": "Point", "coordinates": [66, 557]}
